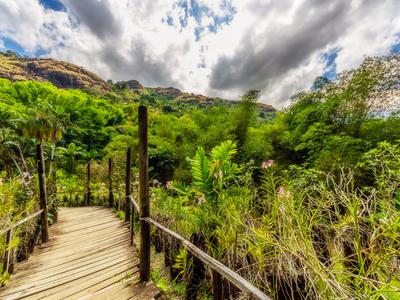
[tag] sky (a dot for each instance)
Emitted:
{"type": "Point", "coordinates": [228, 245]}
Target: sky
{"type": "Point", "coordinates": [218, 48]}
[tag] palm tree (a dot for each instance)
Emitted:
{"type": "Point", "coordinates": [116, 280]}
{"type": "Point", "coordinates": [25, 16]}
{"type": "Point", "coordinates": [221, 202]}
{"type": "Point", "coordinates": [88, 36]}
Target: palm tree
{"type": "Point", "coordinates": [70, 154]}
{"type": "Point", "coordinates": [6, 121]}
{"type": "Point", "coordinates": [44, 124]}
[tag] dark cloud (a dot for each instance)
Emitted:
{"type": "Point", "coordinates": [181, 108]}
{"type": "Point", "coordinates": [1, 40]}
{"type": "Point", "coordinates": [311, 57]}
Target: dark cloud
{"type": "Point", "coordinates": [138, 65]}
{"type": "Point", "coordinates": [95, 14]}
{"type": "Point", "coordinates": [315, 25]}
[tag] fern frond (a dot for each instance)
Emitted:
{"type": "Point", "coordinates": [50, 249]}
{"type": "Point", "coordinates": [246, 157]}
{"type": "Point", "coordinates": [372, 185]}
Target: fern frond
{"type": "Point", "coordinates": [224, 152]}
{"type": "Point", "coordinates": [201, 170]}
{"type": "Point", "coordinates": [180, 187]}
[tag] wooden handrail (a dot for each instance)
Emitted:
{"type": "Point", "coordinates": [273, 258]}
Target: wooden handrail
{"type": "Point", "coordinates": [236, 279]}
{"type": "Point", "coordinates": [134, 203]}
{"type": "Point", "coordinates": [21, 221]}
{"type": "Point", "coordinates": [73, 191]}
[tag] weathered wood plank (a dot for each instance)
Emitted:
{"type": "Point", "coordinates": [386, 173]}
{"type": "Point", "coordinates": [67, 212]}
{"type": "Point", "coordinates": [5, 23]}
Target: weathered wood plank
{"type": "Point", "coordinates": [89, 251]}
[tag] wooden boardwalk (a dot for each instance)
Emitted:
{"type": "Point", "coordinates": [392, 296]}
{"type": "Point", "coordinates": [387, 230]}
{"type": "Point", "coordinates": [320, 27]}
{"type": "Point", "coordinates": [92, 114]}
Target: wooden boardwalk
{"type": "Point", "coordinates": [89, 256]}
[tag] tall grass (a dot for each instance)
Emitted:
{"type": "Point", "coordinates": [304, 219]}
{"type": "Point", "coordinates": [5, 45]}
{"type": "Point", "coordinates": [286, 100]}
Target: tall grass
{"type": "Point", "coordinates": [300, 234]}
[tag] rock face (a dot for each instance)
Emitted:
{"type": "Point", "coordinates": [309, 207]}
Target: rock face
{"type": "Point", "coordinates": [130, 84]}
{"type": "Point", "coordinates": [169, 92]}
{"type": "Point", "coordinates": [59, 73]}
{"type": "Point", "coordinates": [265, 107]}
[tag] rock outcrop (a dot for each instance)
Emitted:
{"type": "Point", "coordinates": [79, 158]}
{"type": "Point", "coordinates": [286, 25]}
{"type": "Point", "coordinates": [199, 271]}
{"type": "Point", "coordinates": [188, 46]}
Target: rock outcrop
{"type": "Point", "coordinates": [130, 84]}
{"type": "Point", "coordinates": [59, 73]}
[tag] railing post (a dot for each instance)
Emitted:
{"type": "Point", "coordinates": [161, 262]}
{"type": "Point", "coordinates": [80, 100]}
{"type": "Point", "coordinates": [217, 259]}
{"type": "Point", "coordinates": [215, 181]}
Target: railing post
{"type": "Point", "coordinates": [42, 193]}
{"type": "Point", "coordinates": [110, 173]}
{"type": "Point", "coordinates": [88, 179]}
{"type": "Point", "coordinates": [144, 195]}
{"type": "Point", "coordinates": [132, 222]}
{"type": "Point", "coordinates": [217, 285]}
{"type": "Point", "coordinates": [7, 257]}
{"type": "Point", "coordinates": [128, 184]}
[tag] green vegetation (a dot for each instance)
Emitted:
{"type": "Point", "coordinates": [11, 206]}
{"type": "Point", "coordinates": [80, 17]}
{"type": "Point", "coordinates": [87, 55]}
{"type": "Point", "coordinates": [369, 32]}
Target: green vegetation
{"type": "Point", "coordinates": [304, 202]}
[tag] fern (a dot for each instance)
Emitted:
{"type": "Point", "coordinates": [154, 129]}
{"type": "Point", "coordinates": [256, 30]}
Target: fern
{"type": "Point", "coordinates": [4, 276]}
{"type": "Point", "coordinates": [201, 171]}
{"type": "Point", "coordinates": [180, 187]}
{"type": "Point", "coordinates": [224, 152]}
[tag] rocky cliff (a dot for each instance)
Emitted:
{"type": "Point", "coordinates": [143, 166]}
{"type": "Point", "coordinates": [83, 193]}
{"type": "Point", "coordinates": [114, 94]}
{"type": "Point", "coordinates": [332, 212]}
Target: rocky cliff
{"type": "Point", "coordinates": [61, 74]}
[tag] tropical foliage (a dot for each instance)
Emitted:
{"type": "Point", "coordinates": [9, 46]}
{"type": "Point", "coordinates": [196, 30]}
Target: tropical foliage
{"type": "Point", "coordinates": [304, 202]}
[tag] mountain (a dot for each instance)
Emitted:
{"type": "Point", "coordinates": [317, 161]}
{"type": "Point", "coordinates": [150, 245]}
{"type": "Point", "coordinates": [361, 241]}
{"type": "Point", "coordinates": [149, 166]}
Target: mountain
{"type": "Point", "coordinates": [61, 74]}
{"type": "Point", "coordinates": [67, 75]}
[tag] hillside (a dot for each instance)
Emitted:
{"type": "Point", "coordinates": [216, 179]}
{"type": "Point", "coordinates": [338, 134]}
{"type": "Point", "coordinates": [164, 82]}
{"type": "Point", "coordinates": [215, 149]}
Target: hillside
{"type": "Point", "coordinates": [67, 75]}
{"type": "Point", "coordinates": [61, 74]}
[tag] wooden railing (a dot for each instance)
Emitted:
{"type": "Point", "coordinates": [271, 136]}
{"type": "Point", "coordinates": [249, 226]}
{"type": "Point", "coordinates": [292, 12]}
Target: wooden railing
{"type": "Point", "coordinates": [245, 286]}
{"type": "Point", "coordinates": [9, 236]}
{"type": "Point", "coordinates": [143, 211]}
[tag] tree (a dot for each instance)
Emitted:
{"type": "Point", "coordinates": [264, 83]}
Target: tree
{"type": "Point", "coordinates": [70, 155]}
{"type": "Point", "coordinates": [244, 115]}
{"type": "Point", "coordinates": [43, 125]}
{"type": "Point", "coordinates": [7, 120]}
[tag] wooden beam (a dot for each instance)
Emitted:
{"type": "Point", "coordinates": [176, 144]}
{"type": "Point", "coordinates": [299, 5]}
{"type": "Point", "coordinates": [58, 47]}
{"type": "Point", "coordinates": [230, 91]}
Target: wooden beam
{"type": "Point", "coordinates": [42, 192]}
{"type": "Point", "coordinates": [110, 181]}
{"type": "Point", "coordinates": [128, 183]}
{"type": "Point", "coordinates": [21, 221]}
{"type": "Point", "coordinates": [88, 179]}
{"type": "Point", "coordinates": [217, 285]}
{"type": "Point", "coordinates": [144, 195]}
{"type": "Point", "coordinates": [7, 254]}
{"type": "Point", "coordinates": [134, 204]}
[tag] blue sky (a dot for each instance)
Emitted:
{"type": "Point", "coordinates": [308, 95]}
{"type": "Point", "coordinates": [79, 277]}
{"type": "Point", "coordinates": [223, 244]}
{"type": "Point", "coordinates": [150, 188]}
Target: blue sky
{"type": "Point", "coordinates": [214, 47]}
{"type": "Point", "coordinates": [52, 4]}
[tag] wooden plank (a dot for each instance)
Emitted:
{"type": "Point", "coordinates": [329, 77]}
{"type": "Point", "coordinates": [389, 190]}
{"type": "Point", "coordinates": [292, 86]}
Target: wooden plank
{"type": "Point", "coordinates": [123, 289]}
{"type": "Point", "coordinates": [51, 281]}
{"type": "Point", "coordinates": [68, 265]}
{"type": "Point", "coordinates": [57, 254]}
{"type": "Point", "coordinates": [107, 280]}
{"type": "Point", "coordinates": [85, 255]}
{"type": "Point", "coordinates": [115, 273]}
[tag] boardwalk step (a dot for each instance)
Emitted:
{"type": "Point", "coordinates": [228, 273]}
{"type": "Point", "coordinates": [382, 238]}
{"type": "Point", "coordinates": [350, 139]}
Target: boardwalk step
{"type": "Point", "coordinates": [89, 256]}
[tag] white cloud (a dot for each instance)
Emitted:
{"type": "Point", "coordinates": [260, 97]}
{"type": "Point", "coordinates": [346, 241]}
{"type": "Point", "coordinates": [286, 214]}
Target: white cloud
{"type": "Point", "coordinates": [275, 46]}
